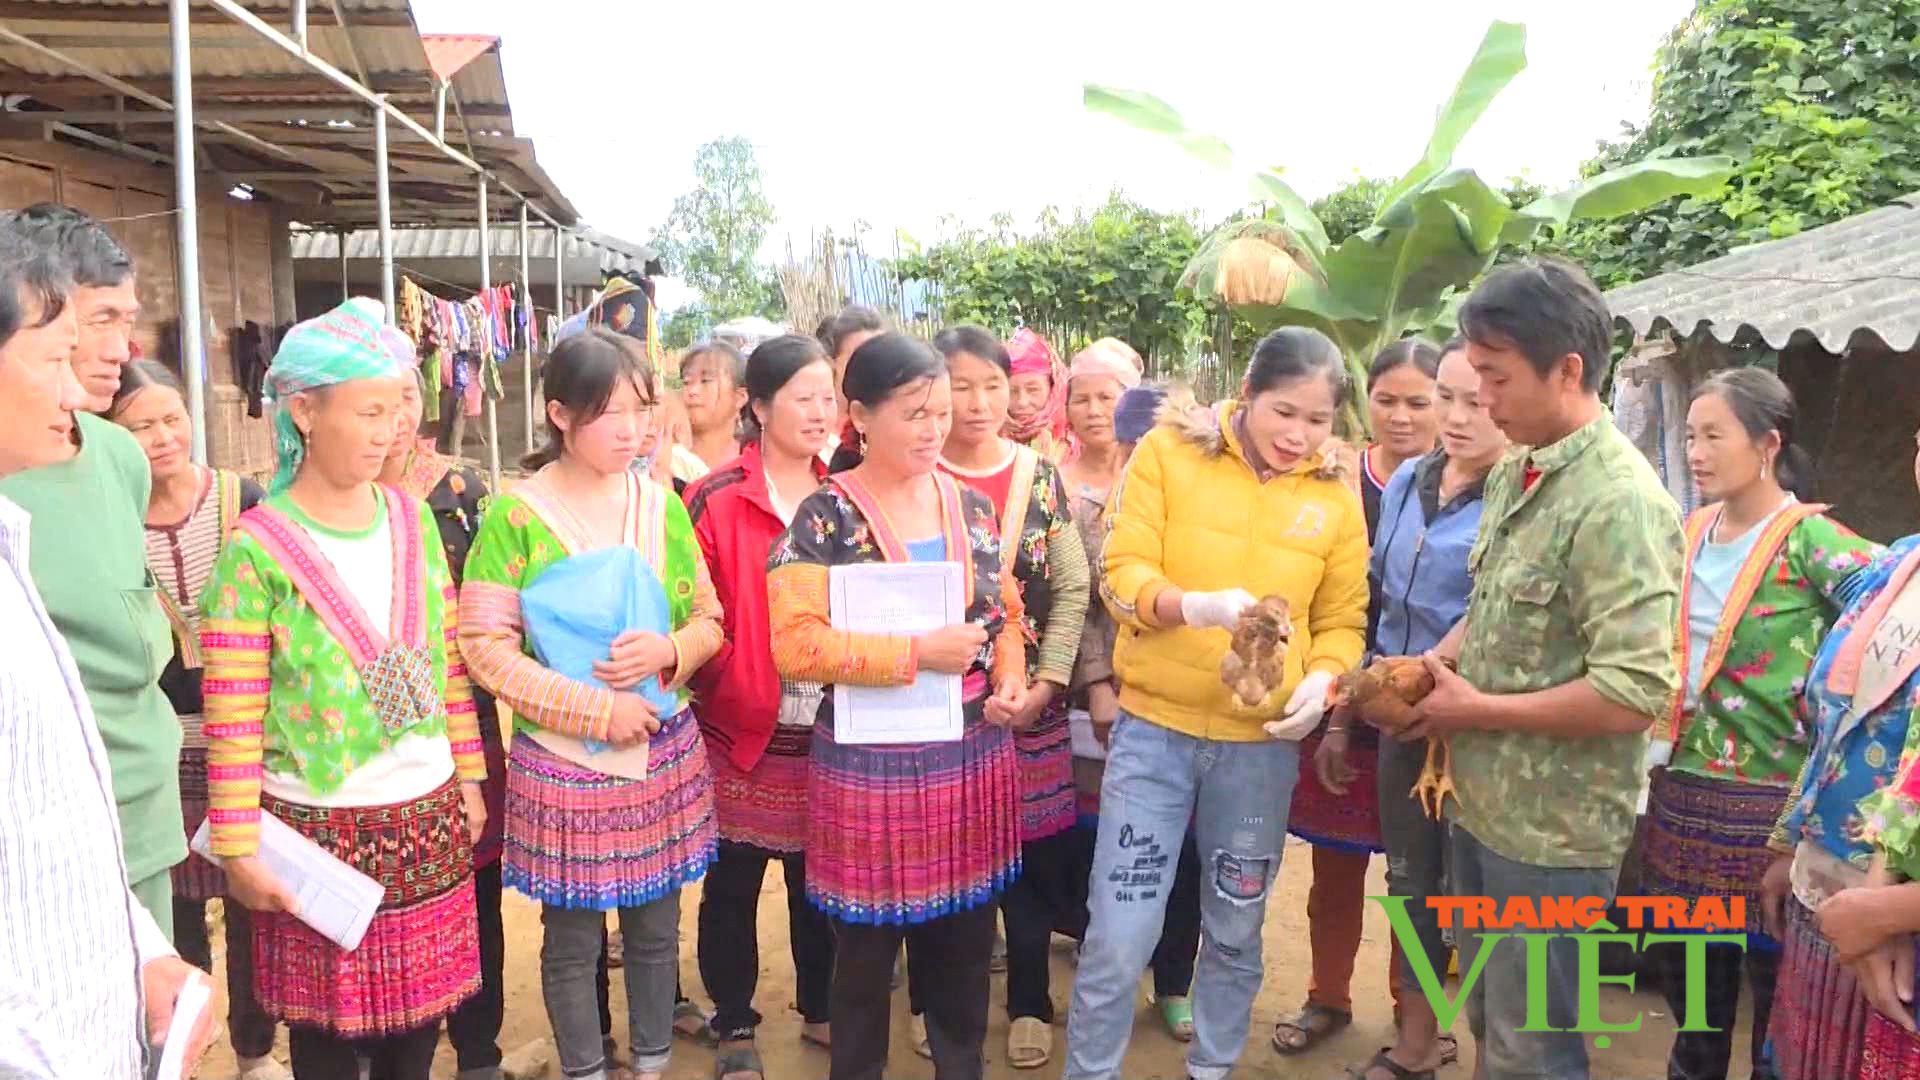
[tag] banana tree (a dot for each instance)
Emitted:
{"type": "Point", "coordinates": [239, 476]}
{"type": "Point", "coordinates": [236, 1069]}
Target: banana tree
{"type": "Point", "coordinates": [1438, 229]}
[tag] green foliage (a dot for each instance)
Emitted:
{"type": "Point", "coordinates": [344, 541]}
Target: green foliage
{"type": "Point", "coordinates": [1112, 271]}
{"type": "Point", "coordinates": [1435, 230]}
{"type": "Point", "coordinates": [1818, 100]}
{"type": "Point", "coordinates": [683, 327]}
{"type": "Point", "coordinates": [715, 231]}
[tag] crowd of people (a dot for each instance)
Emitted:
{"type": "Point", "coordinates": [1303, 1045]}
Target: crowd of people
{"type": "Point", "coordinates": [355, 650]}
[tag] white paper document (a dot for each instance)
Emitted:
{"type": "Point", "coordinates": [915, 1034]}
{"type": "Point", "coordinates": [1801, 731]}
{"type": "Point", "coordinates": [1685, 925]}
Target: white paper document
{"type": "Point", "coordinates": [193, 1000]}
{"type": "Point", "coordinates": [904, 599]}
{"type": "Point", "coordinates": [335, 899]}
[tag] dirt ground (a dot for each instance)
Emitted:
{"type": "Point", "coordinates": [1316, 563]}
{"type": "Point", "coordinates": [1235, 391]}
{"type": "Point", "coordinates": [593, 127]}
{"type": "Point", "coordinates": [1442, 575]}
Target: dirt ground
{"type": "Point", "coordinates": [1153, 1053]}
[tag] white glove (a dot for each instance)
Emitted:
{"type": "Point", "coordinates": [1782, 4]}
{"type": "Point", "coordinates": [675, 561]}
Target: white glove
{"type": "Point", "coordinates": [1214, 610]}
{"type": "Point", "coordinates": [1304, 709]}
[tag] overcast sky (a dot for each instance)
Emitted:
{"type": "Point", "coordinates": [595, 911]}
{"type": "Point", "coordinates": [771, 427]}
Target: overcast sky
{"type": "Point", "coordinates": [899, 113]}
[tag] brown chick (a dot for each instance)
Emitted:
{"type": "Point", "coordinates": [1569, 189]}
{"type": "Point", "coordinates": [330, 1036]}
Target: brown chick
{"type": "Point", "coordinates": [1255, 663]}
{"type": "Point", "coordinates": [1385, 694]}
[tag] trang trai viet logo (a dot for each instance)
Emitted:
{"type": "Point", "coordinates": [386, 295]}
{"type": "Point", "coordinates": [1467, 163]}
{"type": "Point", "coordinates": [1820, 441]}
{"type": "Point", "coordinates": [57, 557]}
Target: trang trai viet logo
{"type": "Point", "coordinates": [1535, 922]}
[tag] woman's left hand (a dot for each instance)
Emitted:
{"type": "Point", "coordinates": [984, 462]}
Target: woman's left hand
{"type": "Point", "coordinates": [1851, 921]}
{"type": "Point", "coordinates": [1009, 700]}
{"type": "Point", "coordinates": [1039, 696]}
{"type": "Point", "coordinates": [474, 803]}
{"type": "Point", "coordinates": [636, 656]}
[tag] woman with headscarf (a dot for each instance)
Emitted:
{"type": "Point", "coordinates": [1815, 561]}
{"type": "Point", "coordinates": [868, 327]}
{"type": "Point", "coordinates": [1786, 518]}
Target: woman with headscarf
{"type": "Point", "coordinates": [1037, 396]}
{"type": "Point", "coordinates": [337, 702]}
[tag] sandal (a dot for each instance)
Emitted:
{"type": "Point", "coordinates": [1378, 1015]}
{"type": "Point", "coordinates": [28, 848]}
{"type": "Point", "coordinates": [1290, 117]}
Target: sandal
{"type": "Point", "coordinates": [1393, 1068]}
{"type": "Point", "coordinates": [1029, 1043]}
{"type": "Point", "coordinates": [1176, 1011]}
{"type": "Point", "coordinates": [1449, 1049]}
{"type": "Point", "coordinates": [1314, 1023]}
{"type": "Point", "coordinates": [739, 1062]}
{"type": "Point", "coordinates": [689, 1022]}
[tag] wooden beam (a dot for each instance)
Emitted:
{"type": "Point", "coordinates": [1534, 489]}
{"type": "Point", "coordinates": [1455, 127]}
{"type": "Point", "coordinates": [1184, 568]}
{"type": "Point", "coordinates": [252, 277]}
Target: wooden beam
{"type": "Point", "coordinates": [241, 114]}
{"type": "Point", "coordinates": [213, 87]}
{"type": "Point", "coordinates": [157, 13]}
{"type": "Point", "coordinates": [353, 49]}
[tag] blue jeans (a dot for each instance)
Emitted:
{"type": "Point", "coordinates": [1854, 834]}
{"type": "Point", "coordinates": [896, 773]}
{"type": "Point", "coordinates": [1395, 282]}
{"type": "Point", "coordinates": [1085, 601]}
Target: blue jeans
{"type": "Point", "coordinates": [1497, 1003]}
{"type": "Point", "coordinates": [1236, 794]}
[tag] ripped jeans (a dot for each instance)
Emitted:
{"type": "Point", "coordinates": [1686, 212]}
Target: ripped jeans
{"type": "Point", "coordinates": [1236, 794]}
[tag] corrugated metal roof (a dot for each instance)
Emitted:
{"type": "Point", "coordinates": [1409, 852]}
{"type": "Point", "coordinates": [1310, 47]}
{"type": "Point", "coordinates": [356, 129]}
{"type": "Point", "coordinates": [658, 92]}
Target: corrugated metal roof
{"type": "Point", "coordinates": [610, 252]}
{"type": "Point", "coordinates": [269, 94]}
{"type": "Point", "coordinates": [1852, 283]}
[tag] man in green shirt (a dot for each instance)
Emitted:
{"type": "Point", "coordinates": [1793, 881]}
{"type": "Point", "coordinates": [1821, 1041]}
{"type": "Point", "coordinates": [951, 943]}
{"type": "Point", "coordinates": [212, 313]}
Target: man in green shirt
{"type": "Point", "coordinates": [1566, 651]}
{"type": "Point", "coordinates": [88, 557]}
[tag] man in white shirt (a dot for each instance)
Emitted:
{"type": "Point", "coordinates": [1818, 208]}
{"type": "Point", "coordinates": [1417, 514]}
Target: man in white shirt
{"type": "Point", "coordinates": [88, 982]}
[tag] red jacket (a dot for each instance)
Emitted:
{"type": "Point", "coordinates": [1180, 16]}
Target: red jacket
{"type": "Point", "coordinates": [736, 695]}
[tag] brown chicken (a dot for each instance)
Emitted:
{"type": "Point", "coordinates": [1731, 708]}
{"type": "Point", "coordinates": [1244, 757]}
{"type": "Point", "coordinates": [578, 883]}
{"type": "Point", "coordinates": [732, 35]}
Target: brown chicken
{"type": "Point", "coordinates": [1384, 694]}
{"type": "Point", "coordinates": [1255, 664]}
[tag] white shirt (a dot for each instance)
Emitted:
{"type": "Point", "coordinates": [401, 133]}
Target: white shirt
{"type": "Point", "coordinates": [416, 764]}
{"type": "Point", "coordinates": [72, 936]}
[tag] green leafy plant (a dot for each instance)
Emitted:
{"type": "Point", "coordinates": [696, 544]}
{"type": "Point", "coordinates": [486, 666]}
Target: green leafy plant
{"type": "Point", "coordinates": [1438, 227]}
{"type": "Point", "coordinates": [1112, 270]}
{"type": "Point", "coordinates": [1818, 99]}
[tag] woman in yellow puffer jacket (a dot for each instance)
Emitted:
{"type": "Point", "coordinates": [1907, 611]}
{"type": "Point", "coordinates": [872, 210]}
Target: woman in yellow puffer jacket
{"type": "Point", "coordinates": [1211, 515]}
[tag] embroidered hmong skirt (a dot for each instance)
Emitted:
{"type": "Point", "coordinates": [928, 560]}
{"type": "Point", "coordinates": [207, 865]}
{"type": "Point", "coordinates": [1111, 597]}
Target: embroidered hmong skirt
{"type": "Point", "coordinates": [577, 838]}
{"type": "Point", "coordinates": [1819, 1014]}
{"type": "Point", "coordinates": [196, 878]}
{"type": "Point", "coordinates": [420, 957]}
{"type": "Point", "coordinates": [1349, 822]}
{"type": "Point", "coordinates": [1048, 804]}
{"type": "Point", "coordinates": [1708, 837]}
{"type": "Point", "coordinates": [907, 834]}
{"type": "Point", "coordinates": [1891, 1052]}
{"type": "Point", "coordinates": [767, 806]}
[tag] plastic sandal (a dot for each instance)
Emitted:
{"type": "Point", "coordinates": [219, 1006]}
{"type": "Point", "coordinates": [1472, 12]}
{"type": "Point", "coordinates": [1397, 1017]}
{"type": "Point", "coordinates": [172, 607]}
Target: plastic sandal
{"type": "Point", "coordinates": [1177, 1013]}
{"type": "Point", "coordinates": [1029, 1043]}
{"type": "Point", "coordinates": [1394, 1068]}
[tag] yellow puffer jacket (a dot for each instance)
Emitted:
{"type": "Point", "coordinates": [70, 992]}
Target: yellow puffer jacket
{"type": "Point", "coordinates": [1191, 513]}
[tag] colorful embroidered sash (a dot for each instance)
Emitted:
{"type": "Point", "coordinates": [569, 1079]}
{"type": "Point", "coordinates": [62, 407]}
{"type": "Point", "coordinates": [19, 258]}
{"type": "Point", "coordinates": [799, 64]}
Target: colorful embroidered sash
{"type": "Point", "coordinates": [395, 668]}
{"type": "Point", "coordinates": [186, 638]}
{"type": "Point", "coordinates": [887, 538]}
{"type": "Point", "coordinates": [1753, 572]}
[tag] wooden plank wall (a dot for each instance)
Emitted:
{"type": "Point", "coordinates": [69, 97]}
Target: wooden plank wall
{"type": "Point", "coordinates": [236, 266]}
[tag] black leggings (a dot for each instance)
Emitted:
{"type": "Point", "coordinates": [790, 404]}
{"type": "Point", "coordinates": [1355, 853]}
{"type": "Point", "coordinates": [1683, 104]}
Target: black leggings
{"type": "Point", "coordinates": [954, 951]}
{"type": "Point", "coordinates": [321, 1055]}
{"type": "Point", "coordinates": [729, 944]}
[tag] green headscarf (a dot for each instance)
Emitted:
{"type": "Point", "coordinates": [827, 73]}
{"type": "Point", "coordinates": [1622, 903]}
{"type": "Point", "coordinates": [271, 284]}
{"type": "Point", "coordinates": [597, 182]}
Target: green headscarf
{"type": "Point", "coordinates": [350, 342]}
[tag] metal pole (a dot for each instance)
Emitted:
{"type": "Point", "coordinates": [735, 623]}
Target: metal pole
{"type": "Point", "coordinates": [440, 111]}
{"type": "Point", "coordinates": [559, 273]}
{"type": "Point", "coordinates": [385, 200]}
{"type": "Point", "coordinates": [193, 360]}
{"type": "Point", "coordinates": [486, 395]}
{"type": "Point", "coordinates": [340, 237]}
{"type": "Point", "coordinates": [526, 299]}
{"type": "Point", "coordinates": [300, 23]}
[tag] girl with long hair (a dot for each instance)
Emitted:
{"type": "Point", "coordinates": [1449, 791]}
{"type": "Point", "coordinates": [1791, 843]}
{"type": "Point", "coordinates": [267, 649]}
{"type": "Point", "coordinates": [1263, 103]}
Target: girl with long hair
{"type": "Point", "coordinates": [589, 832]}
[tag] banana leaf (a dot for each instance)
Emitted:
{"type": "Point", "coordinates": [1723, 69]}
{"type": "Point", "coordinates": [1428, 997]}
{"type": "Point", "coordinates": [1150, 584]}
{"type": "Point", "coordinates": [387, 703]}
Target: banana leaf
{"type": "Point", "coordinates": [1501, 57]}
{"type": "Point", "coordinates": [1149, 113]}
{"type": "Point", "coordinates": [1621, 191]}
{"type": "Point", "coordinates": [1294, 211]}
{"type": "Point", "coordinates": [1431, 243]}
